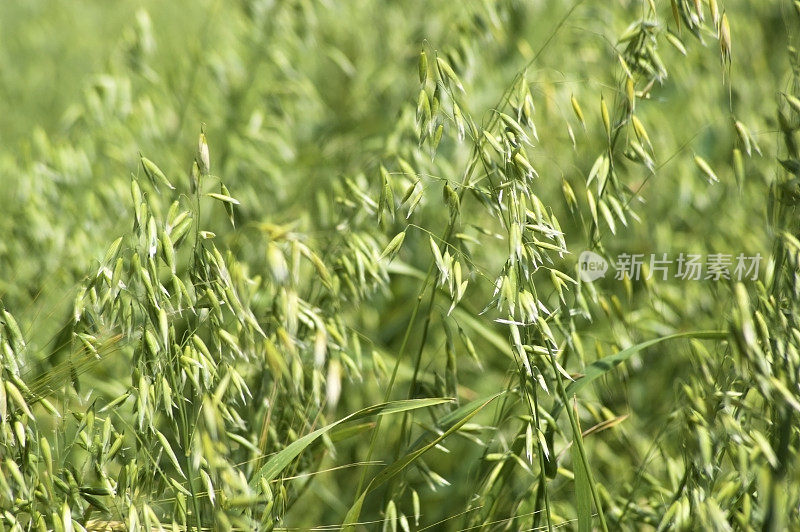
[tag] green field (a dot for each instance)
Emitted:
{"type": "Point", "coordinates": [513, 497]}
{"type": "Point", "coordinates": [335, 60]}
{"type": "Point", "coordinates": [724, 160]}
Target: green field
{"type": "Point", "coordinates": [402, 265]}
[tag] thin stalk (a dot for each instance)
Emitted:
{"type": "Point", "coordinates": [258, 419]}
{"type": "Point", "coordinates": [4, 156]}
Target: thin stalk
{"type": "Point", "coordinates": [577, 440]}
{"type": "Point", "coordinates": [542, 476]}
{"type": "Point", "coordinates": [387, 394]}
{"type": "Point", "coordinates": [186, 437]}
{"type": "Point", "coordinates": [195, 499]}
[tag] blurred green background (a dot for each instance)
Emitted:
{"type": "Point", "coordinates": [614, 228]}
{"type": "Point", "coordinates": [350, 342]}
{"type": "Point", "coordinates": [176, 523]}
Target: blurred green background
{"type": "Point", "coordinates": [293, 98]}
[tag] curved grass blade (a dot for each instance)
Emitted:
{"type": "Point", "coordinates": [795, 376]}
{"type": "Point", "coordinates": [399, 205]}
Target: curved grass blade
{"type": "Point", "coordinates": [600, 367]}
{"type": "Point", "coordinates": [606, 364]}
{"type": "Point", "coordinates": [467, 412]}
{"type": "Point", "coordinates": [282, 459]}
{"type": "Point", "coordinates": [583, 489]}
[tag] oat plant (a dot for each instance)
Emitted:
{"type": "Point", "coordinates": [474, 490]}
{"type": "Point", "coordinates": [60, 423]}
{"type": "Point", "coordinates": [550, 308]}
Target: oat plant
{"type": "Point", "coordinates": [315, 266]}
